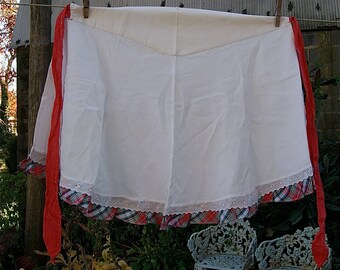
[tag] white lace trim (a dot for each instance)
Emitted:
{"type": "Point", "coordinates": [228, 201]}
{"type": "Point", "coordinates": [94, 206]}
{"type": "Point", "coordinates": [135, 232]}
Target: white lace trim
{"type": "Point", "coordinates": [38, 157]}
{"type": "Point", "coordinates": [149, 206]}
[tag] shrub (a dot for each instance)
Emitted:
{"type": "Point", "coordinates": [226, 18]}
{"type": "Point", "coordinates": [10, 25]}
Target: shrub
{"type": "Point", "coordinates": [142, 247]}
{"type": "Point", "coordinates": [12, 207]}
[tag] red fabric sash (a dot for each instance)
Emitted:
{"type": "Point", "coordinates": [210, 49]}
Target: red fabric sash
{"type": "Point", "coordinates": [319, 247]}
{"type": "Point", "coordinates": [52, 213]}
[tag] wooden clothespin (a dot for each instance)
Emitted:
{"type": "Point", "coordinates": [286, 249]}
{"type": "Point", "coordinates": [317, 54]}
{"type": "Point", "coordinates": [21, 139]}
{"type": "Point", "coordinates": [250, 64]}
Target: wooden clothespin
{"type": "Point", "coordinates": [278, 13]}
{"type": "Point", "coordinates": [86, 4]}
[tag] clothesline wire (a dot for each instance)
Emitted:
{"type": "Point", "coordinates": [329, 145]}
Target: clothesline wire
{"type": "Point", "coordinates": [62, 6]}
{"type": "Point", "coordinates": [33, 5]}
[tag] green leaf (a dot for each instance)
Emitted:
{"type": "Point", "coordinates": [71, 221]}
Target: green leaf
{"type": "Point", "coordinates": [317, 76]}
{"type": "Point", "coordinates": [319, 95]}
{"type": "Point", "coordinates": [282, 227]}
{"type": "Point", "coordinates": [332, 207]}
{"type": "Point", "coordinates": [330, 180]}
{"type": "Point", "coordinates": [331, 81]}
{"type": "Point", "coordinates": [296, 215]}
{"type": "Point", "coordinates": [326, 162]}
{"type": "Point", "coordinates": [311, 211]}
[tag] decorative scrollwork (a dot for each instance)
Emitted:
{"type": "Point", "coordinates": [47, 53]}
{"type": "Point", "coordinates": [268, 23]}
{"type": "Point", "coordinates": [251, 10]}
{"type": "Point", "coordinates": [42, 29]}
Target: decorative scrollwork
{"type": "Point", "coordinates": [289, 251]}
{"type": "Point", "coordinates": [228, 246]}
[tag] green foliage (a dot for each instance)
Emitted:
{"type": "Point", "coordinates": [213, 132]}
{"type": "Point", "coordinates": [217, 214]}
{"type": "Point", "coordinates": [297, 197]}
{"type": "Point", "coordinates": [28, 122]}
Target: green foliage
{"type": "Point", "coordinates": [12, 200]}
{"type": "Point", "coordinates": [142, 247]}
{"type": "Point", "coordinates": [153, 249]}
{"type": "Point", "coordinates": [75, 258]}
{"type": "Point", "coordinates": [318, 81]}
{"type": "Point", "coordinates": [3, 134]}
{"type": "Point", "coordinates": [88, 233]}
{"type": "Point", "coordinates": [8, 148]}
{"type": "Point", "coordinates": [10, 154]}
{"type": "Point", "coordinates": [12, 205]}
{"type": "Point", "coordinates": [330, 174]}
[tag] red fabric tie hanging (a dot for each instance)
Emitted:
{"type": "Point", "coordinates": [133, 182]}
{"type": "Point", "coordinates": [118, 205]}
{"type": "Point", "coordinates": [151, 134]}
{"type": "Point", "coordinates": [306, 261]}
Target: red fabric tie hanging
{"type": "Point", "coordinates": [319, 247]}
{"type": "Point", "coordinates": [52, 213]}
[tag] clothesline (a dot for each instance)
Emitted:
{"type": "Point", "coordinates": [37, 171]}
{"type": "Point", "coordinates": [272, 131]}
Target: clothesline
{"type": "Point", "coordinates": [33, 5]}
{"type": "Point", "coordinates": [62, 6]}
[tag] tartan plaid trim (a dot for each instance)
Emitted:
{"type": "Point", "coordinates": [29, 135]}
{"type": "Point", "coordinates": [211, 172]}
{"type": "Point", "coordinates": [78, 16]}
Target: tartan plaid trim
{"type": "Point", "coordinates": [83, 202]}
{"type": "Point", "coordinates": [28, 166]}
{"type": "Point", "coordinates": [290, 193]}
{"type": "Point", "coordinates": [89, 209]}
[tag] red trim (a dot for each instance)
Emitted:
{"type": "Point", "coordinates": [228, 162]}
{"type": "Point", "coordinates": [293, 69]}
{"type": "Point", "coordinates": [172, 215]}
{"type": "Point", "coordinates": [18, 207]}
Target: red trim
{"type": "Point", "coordinates": [319, 247]}
{"type": "Point", "coordinates": [52, 213]}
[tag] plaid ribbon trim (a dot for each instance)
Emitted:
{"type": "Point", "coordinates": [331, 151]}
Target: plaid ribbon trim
{"type": "Point", "coordinates": [89, 209]}
{"type": "Point", "coordinates": [83, 201]}
{"type": "Point", "coordinates": [28, 166]}
{"type": "Point", "coordinates": [290, 193]}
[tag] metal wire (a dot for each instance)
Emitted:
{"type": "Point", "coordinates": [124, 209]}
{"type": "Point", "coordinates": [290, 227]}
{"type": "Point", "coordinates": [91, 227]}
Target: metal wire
{"type": "Point", "coordinates": [28, 5]}
{"type": "Point", "coordinates": [60, 6]}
